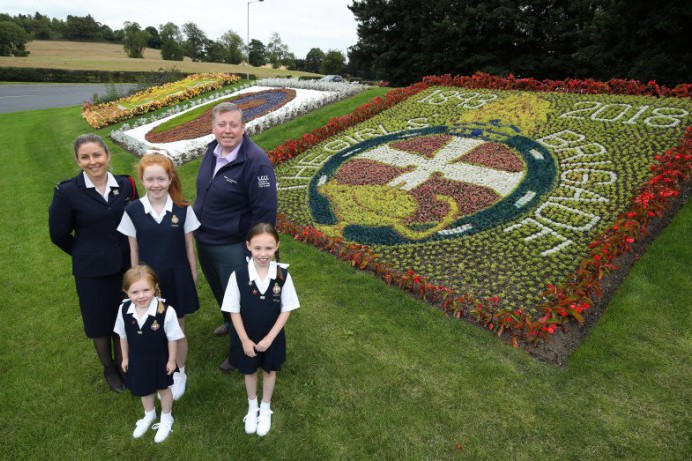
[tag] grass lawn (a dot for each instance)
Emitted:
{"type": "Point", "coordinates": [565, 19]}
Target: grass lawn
{"type": "Point", "coordinates": [59, 54]}
{"type": "Point", "coordinates": [372, 373]}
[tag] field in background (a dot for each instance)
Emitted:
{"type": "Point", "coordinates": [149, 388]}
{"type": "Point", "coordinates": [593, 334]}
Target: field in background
{"type": "Point", "coordinates": [56, 54]}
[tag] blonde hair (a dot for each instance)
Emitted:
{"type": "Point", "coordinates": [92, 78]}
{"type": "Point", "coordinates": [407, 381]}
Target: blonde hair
{"type": "Point", "coordinates": [142, 272]}
{"type": "Point", "coordinates": [162, 159]}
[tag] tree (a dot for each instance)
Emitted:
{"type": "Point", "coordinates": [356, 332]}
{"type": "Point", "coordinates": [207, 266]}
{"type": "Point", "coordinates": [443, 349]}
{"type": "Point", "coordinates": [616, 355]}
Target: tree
{"type": "Point", "coordinates": [195, 40]}
{"type": "Point", "coordinates": [171, 42]}
{"type": "Point", "coordinates": [213, 51]}
{"type": "Point", "coordinates": [333, 62]}
{"type": "Point", "coordinates": [257, 53]}
{"type": "Point", "coordinates": [12, 39]}
{"type": "Point", "coordinates": [81, 28]}
{"type": "Point", "coordinates": [313, 60]}
{"type": "Point", "coordinates": [154, 38]}
{"type": "Point", "coordinates": [233, 47]}
{"type": "Point", "coordinates": [40, 27]}
{"type": "Point", "coordinates": [277, 50]}
{"type": "Point", "coordinates": [289, 61]}
{"type": "Point", "coordinates": [135, 39]}
{"type": "Point", "coordinates": [107, 34]}
{"type": "Point", "coordinates": [640, 40]}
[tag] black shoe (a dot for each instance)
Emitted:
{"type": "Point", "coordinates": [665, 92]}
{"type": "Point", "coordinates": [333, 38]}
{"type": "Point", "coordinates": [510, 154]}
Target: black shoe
{"type": "Point", "coordinates": [226, 367]}
{"type": "Point", "coordinates": [115, 382]}
{"type": "Point", "coordinates": [221, 330]}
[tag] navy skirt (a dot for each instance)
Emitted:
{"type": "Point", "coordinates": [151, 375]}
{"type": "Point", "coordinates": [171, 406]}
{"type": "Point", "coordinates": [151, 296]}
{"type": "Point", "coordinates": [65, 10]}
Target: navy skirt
{"type": "Point", "coordinates": [99, 299]}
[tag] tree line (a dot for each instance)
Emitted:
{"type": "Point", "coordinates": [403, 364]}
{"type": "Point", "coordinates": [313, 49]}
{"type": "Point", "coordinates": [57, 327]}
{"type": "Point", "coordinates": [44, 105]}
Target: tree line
{"type": "Point", "coordinates": [175, 42]}
{"type": "Point", "coordinates": [404, 40]}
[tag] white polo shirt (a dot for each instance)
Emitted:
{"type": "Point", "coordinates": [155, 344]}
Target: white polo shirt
{"type": "Point", "coordinates": [170, 325]}
{"type": "Point", "coordinates": [289, 297]}
{"type": "Point", "coordinates": [127, 227]}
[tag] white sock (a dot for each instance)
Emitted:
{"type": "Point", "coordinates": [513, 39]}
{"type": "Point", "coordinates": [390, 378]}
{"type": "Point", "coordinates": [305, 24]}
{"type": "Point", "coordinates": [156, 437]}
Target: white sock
{"type": "Point", "coordinates": [182, 370]}
{"type": "Point", "coordinates": [252, 405]}
{"type": "Point", "coordinates": [265, 406]}
{"type": "Point", "coordinates": [167, 417]}
{"type": "Point", "coordinates": [150, 415]}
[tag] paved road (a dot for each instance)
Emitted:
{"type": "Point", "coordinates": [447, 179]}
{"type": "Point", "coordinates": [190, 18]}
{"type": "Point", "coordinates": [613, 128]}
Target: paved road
{"type": "Point", "coordinates": [16, 97]}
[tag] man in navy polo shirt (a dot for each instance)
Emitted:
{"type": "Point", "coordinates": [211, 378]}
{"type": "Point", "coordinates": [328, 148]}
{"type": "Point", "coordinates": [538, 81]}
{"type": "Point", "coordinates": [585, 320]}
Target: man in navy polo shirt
{"type": "Point", "coordinates": [236, 188]}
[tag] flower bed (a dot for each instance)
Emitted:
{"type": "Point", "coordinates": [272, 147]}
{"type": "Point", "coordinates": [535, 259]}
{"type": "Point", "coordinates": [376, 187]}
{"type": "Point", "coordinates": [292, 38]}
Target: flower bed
{"type": "Point", "coordinates": [503, 206]}
{"type": "Point", "coordinates": [100, 115]}
{"type": "Point", "coordinates": [264, 106]}
{"type": "Point", "coordinates": [254, 105]}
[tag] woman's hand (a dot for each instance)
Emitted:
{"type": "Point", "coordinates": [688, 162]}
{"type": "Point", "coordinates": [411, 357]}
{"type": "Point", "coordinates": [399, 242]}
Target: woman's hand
{"type": "Point", "coordinates": [125, 364]}
{"type": "Point", "coordinates": [170, 367]}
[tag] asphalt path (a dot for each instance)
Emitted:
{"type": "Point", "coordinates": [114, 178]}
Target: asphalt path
{"type": "Point", "coordinates": [17, 97]}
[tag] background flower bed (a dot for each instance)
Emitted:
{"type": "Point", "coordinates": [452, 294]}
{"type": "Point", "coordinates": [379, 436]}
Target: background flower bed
{"type": "Point", "coordinates": [499, 277]}
{"type": "Point", "coordinates": [101, 115]}
{"type": "Point", "coordinates": [308, 96]}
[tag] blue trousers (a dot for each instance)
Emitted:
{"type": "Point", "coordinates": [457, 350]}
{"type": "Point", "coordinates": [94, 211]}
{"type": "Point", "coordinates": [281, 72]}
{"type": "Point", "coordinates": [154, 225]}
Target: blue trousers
{"type": "Point", "coordinates": [218, 263]}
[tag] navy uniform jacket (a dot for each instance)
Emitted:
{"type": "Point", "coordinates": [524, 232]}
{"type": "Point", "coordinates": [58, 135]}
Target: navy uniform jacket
{"type": "Point", "coordinates": [84, 226]}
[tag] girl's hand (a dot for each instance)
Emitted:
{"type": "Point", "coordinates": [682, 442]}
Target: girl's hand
{"type": "Point", "coordinates": [125, 364]}
{"type": "Point", "coordinates": [264, 344]}
{"type": "Point", "coordinates": [249, 348]}
{"type": "Point", "coordinates": [170, 367]}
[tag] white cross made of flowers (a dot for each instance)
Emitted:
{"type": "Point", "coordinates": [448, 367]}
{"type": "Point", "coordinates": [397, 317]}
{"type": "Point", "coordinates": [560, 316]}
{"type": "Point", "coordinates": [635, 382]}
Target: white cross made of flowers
{"type": "Point", "coordinates": [502, 182]}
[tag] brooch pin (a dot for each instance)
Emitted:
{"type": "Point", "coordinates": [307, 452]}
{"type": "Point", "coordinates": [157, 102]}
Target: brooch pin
{"type": "Point", "coordinates": [254, 292]}
{"type": "Point", "coordinates": [155, 326]}
{"type": "Point", "coordinates": [276, 290]}
{"type": "Point", "coordinates": [174, 219]}
{"type": "Point", "coordinates": [116, 192]}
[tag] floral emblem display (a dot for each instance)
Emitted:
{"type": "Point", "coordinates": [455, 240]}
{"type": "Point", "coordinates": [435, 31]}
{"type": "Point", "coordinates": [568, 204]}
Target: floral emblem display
{"type": "Point", "coordinates": [483, 199]}
{"type": "Point", "coordinates": [429, 183]}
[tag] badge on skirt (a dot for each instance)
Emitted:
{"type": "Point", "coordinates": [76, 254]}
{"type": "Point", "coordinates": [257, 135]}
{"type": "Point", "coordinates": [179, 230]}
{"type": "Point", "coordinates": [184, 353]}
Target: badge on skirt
{"type": "Point", "coordinates": [155, 325]}
{"type": "Point", "coordinates": [276, 290]}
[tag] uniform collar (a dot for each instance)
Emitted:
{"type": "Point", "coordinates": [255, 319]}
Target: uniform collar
{"type": "Point", "coordinates": [252, 270]}
{"type": "Point", "coordinates": [88, 183]}
{"type": "Point", "coordinates": [150, 210]}
{"type": "Point", "coordinates": [151, 310]}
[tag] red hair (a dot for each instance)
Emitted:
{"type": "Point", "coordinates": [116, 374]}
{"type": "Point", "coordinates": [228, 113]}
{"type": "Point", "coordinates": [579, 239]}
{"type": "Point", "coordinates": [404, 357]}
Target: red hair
{"type": "Point", "coordinates": [161, 159]}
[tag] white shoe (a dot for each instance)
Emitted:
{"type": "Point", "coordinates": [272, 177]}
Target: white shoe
{"type": "Point", "coordinates": [264, 422]}
{"type": "Point", "coordinates": [142, 426]}
{"type": "Point", "coordinates": [178, 387]}
{"type": "Point", "coordinates": [250, 421]}
{"type": "Point", "coordinates": [163, 429]}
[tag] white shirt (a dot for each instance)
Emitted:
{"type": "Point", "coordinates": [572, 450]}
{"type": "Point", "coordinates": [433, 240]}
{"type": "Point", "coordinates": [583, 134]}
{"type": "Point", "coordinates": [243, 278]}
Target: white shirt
{"type": "Point", "coordinates": [289, 297]}
{"type": "Point", "coordinates": [170, 325]}
{"type": "Point", "coordinates": [111, 183]}
{"type": "Point", "coordinates": [127, 227]}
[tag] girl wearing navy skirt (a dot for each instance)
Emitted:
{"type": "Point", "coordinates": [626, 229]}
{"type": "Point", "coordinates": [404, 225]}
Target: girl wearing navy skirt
{"type": "Point", "coordinates": [260, 298]}
{"type": "Point", "coordinates": [149, 333]}
{"type": "Point", "coordinates": [159, 227]}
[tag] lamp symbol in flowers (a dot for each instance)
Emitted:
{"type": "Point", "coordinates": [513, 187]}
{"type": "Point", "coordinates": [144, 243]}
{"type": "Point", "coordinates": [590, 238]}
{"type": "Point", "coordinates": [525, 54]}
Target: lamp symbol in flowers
{"type": "Point", "coordinates": [430, 183]}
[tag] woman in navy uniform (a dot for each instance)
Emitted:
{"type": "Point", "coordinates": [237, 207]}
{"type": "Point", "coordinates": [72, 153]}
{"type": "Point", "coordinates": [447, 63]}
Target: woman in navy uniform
{"type": "Point", "coordinates": [83, 219]}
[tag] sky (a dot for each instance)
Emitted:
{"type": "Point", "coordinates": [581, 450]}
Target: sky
{"type": "Point", "coordinates": [301, 24]}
